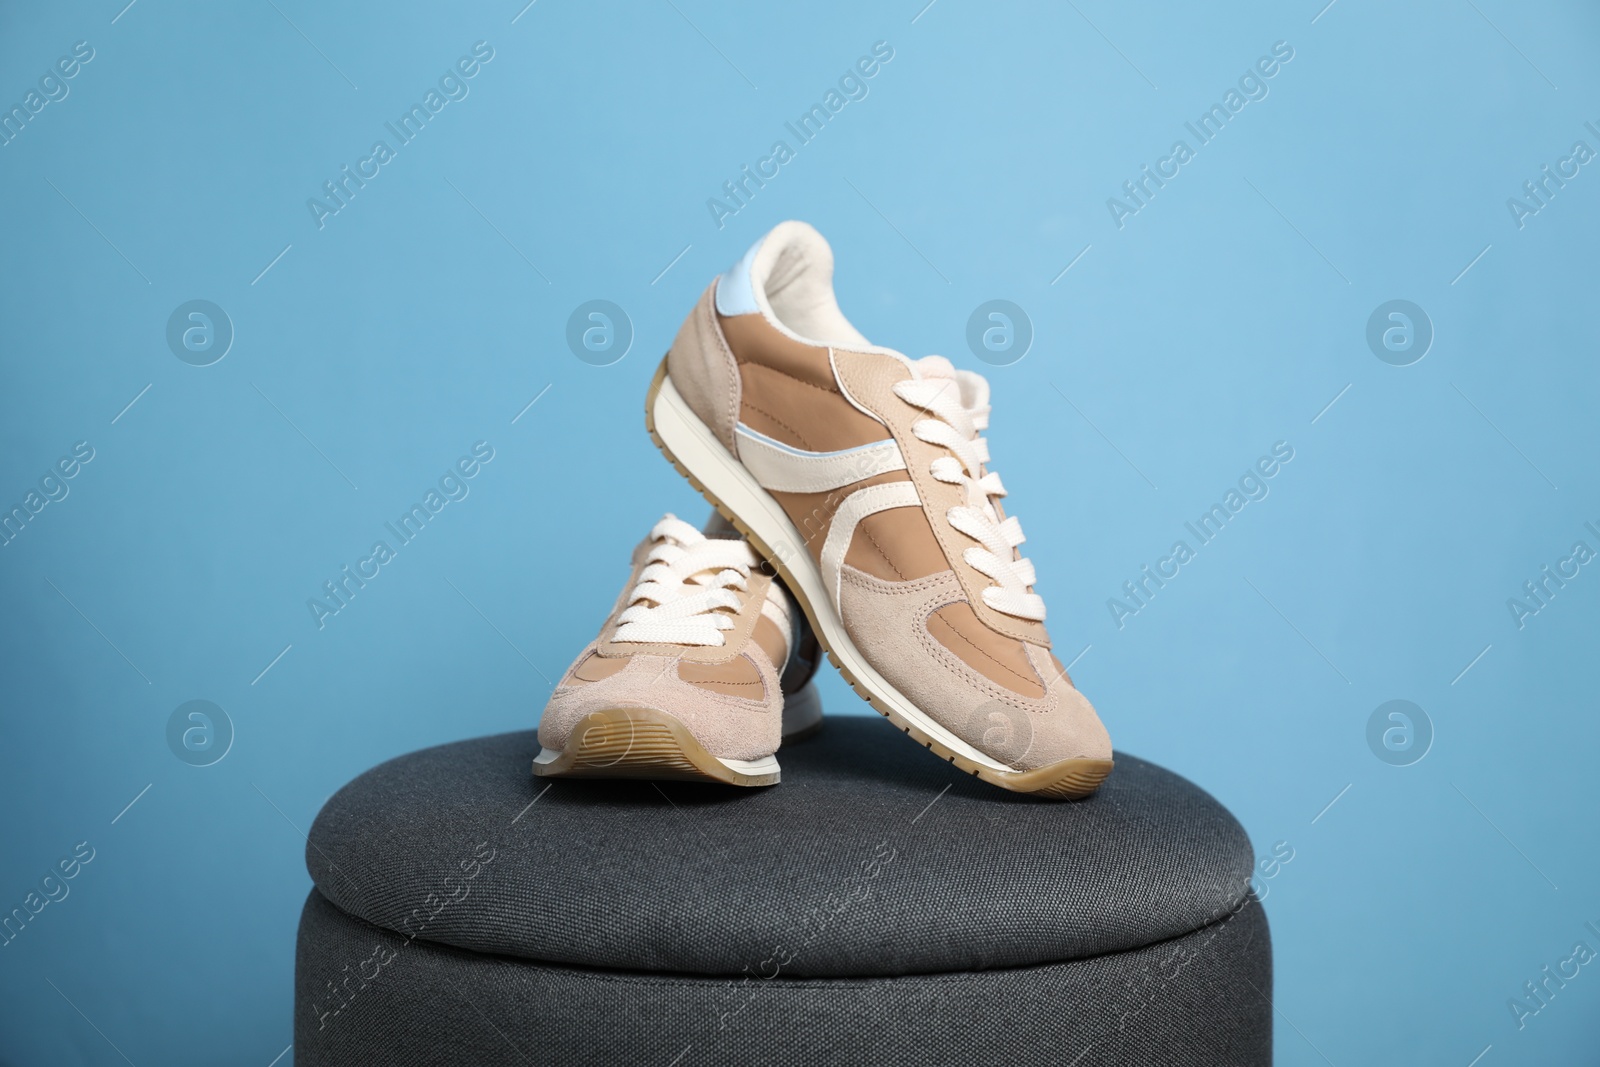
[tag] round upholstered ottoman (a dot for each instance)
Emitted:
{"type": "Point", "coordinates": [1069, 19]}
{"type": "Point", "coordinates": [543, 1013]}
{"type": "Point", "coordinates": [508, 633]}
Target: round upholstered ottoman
{"type": "Point", "coordinates": [877, 907]}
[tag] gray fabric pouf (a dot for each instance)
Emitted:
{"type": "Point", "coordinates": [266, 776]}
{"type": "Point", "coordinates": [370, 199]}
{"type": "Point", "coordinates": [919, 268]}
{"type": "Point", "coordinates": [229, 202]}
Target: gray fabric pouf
{"type": "Point", "coordinates": [877, 907]}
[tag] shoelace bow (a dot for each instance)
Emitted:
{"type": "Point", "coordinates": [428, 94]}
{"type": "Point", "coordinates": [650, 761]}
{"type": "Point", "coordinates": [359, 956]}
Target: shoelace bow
{"type": "Point", "coordinates": [959, 404]}
{"type": "Point", "coordinates": [687, 581]}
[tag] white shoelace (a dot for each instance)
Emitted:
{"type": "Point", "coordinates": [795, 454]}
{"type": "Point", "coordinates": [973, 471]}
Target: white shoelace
{"type": "Point", "coordinates": [959, 404]}
{"type": "Point", "coordinates": [686, 593]}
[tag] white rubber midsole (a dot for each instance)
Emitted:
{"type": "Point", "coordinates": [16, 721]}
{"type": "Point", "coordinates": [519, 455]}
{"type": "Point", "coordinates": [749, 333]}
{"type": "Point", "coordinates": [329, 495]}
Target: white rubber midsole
{"type": "Point", "coordinates": [725, 478]}
{"type": "Point", "coordinates": [801, 710]}
{"type": "Point", "coordinates": [764, 765]}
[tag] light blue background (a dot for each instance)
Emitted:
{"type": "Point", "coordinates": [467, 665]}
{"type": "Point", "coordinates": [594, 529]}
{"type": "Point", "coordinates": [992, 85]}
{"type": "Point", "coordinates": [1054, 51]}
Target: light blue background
{"type": "Point", "coordinates": [1223, 317]}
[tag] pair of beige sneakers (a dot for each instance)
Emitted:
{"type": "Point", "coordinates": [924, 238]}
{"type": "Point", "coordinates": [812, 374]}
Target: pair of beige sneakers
{"type": "Point", "coordinates": [863, 511]}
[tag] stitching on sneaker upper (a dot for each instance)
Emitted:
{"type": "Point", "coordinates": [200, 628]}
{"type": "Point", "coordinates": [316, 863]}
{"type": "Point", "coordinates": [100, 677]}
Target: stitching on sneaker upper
{"type": "Point", "coordinates": [924, 586]}
{"type": "Point", "coordinates": [976, 678]}
{"type": "Point", "coordinates": [707, 306]}
{"type": "Point", "coordinates": [885, 556]}
{"type": "Point", "coordinates": [977, 648]}
{"type": "Point", "coordinates": [747, 402]}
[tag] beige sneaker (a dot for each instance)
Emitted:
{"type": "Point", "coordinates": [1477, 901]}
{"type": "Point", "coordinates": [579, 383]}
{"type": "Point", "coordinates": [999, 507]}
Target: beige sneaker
{"type": "Point", "coordinates": [861, 475]}
{"type": "Point", "coordinates": [687, 678]}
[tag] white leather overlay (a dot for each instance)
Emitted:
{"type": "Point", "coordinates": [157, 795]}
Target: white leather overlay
{"type": "Point", "coordinates": [793, 470]}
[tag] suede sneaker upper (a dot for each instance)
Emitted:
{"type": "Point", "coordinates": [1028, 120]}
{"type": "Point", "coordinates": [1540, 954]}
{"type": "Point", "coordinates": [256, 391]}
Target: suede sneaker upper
{"type": "Point", "coordinates": [866, 477]}
{"type": "Point", "coordinates": [686, 670]}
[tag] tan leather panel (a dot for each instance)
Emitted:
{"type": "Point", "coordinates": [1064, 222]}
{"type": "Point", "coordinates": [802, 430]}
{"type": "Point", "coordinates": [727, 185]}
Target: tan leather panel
{"type": "Point", "coordinates": [896, 545]}
{"type": "Point", "coordinates": [787, 410]}
{"type": "Point", "coordinates": [770, 638]}
{"type": "Point", "coordinates": [596, 668]}
{"type": "Point", "coordinates": [800, 414]}
{"type": "Point", "coordinates": [888, 623]}
{"type": "Point", "coordinates": [753, 339]}
{"type": "Point", "coordinates": [812, 513]}
{"type": "Point", "coordinates": [737, 677]}
{"type": "Point", "coordinates": [1001, 659]}
{"type": "Point", "coordinates": [869, 378]}
{"type": "Point", "coordinates": [788, 392]}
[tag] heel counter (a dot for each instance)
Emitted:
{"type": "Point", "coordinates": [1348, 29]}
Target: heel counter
{"type": "Point", "coordinates": [703, 370]}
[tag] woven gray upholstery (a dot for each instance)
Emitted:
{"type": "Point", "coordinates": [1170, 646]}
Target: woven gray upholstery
{"type": "Point", "coordinates": [1190, 1001]}
{"type": "Point", "coordinates": [842, 870]}
{"type": "Point", "coordinates": [878, 907]}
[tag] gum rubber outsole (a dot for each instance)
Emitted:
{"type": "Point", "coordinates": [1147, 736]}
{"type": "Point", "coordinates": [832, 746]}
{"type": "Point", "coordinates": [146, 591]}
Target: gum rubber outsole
{"type": "Point", "coordinates": [1070, 779]}
{"type": "Point", "coordinates": [642, 743]}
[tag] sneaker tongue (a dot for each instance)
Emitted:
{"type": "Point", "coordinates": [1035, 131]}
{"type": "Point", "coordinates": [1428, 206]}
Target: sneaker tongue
{"type": "Point", "coordinates": [971, 387]}
{"type": "Point", "coordinates": [703, 578]}
{"type": "Point", "coordinates": [974, 389]}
